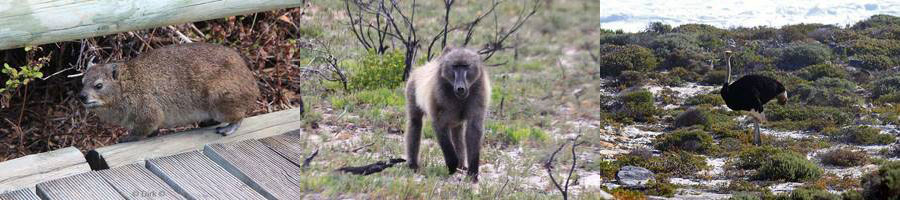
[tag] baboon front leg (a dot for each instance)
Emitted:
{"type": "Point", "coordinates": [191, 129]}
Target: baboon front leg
{"type": "Point", "coordinates": [456, 136]}
{"type": "Point", "coordinates": [413, 137]}
{"type": "Point", "coordinates": [474, 128]}
{"type": "Point", "coordinates": [442, 131]}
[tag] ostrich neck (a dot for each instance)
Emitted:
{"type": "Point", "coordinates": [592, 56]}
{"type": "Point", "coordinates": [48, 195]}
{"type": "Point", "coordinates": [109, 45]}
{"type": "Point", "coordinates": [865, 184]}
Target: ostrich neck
{"type": "Point", "coordinates": [728, 79]}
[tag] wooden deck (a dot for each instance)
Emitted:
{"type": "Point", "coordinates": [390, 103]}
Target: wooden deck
{"type": "Point", "coordinates": [261, 161]}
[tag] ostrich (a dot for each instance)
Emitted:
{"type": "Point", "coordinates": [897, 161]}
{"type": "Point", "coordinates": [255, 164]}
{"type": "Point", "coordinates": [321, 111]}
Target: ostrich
{"type": "Point", "coordinates": [750, 93]}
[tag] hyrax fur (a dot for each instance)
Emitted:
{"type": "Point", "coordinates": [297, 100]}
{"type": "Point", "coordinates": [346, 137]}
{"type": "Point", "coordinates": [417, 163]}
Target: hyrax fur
{"type": "Point", "coordinates": [172, 86]}
{"type": "Point", "coordinates": [453, 91]}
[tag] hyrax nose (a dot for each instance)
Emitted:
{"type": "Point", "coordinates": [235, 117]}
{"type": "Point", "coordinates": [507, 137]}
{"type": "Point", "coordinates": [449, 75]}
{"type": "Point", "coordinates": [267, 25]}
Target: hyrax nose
{"type": "Point", "coordinates": [83, 97]}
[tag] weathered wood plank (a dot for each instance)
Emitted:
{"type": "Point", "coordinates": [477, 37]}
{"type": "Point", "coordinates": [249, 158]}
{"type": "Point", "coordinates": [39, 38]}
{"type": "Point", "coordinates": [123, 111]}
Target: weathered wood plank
{"type": "Point", "coordinates": [289, 145]}
{"type": "Point", "coordinates": [136, 182]}
{"type": "Point", "coordinates": [48, 21]}
{"type": "Point", "coordinates": [259, 167]}
{"type": "Point", "coordinates": [23, 194]}
{"type": "Point", "coordinates": [29, 170]}
{"type": "Point", "coordinates": [82, 186]}
{"type": "Point", "coordinates": [197, 177]}
{"type": "Point", "coordinates": [255, 127]}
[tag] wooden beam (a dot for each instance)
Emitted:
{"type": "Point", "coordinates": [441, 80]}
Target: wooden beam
{"type": "Point", "coordinates": [82, 186]}
{"type": "Point", "coordinates": [255, 127]}
{"type": "Point", "coordinates": [26, 171]}
{"type": "Point", "coordinates": [39, 22]}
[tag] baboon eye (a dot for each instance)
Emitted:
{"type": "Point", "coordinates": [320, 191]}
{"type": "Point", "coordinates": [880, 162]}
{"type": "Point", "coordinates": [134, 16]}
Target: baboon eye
{"type": "Point", "coordinates": [98, 86]}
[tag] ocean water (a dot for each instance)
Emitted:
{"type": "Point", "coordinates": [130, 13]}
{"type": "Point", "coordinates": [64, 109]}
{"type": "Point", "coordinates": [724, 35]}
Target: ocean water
{"type": "Point", "coordinates": [635, 15]}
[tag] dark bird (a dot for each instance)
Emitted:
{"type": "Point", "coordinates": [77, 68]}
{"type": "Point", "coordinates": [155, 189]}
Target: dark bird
{"type": "Point", "coordinates": [750, 93]}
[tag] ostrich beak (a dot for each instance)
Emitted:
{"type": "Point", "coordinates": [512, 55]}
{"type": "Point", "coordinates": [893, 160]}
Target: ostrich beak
{"type": "Point", "coordinates": [782, 98]}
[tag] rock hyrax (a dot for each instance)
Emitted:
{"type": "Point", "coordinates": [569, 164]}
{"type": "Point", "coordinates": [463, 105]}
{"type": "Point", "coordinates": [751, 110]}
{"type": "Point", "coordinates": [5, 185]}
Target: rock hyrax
{"type": "Point", "coordinates": [171, 86]}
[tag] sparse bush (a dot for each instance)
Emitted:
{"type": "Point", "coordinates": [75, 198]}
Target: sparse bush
{"type": "Point", "coordinates": [744, 196]}
{"type": "Point", "coordinates": [626, 194]}
{"type": "Point", "coordinates": [679, 49]}
{"type": "Point", "coordinates": [852, 195]}
{"type": "Point", "coordinates": [692, 117]}
{"type": "Point", "coordinates": [630, 78]}
{"type": "Point", "coordinates": [638, 106]}
{"type": "Point", "coordinates": [614, 59]}
{"type": "Point", "coordinates": [814, 72]}
{"type": "Point", "coordinates": [684, 74]}
{"type": "Point", "coordinates": [798, 32]}
{"type": "Point", "coordinates": [873, 46]}
{"type": "Point", "coordinates": [893, 97]}
{"type": "Point", "coordinates": [715, 77]}
{"type": "Point", "coordinates": [693, 140]}
{"type": "Point", "coordinates": [865, 135]}
{"type": "Point", "coordinates": [789, 167]}
{"type": "Point", "coordinates": [845, 157]}
{"type": "Point", "coordinates": [804, 117]}
{"type": "Point", "coordinates": [877, 21]}
{"type": "Point", "coordinates": [377, 71]}
{"type": "Point", "coordinates": [884, 183]}
{"type": "Point", "coordinates": [712, 99]}
{"type": "Point", "coordinates": [751, 158]}
{"type": "Point", "coordinates": [872, 62]}
{"type": "Point", "coordinates": [829, 92]}
{"type": "Point", "coordinates": [679, 163]}
{"type": "Point", "coordinates": [808, 194]}
{"type": "Point", "coordinates": [885, 85]}
{"type": "Point", "coordinates": [661, 187]}
{"type": "Point", "coordinates": [799, 54]}
{"type": "Point", "coordinates": [659, 28]}
{"type": "Point", "coordinates": [790, 81]}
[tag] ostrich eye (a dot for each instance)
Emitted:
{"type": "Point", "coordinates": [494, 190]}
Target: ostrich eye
{"type": "Point", "coordinates": [98, 86]}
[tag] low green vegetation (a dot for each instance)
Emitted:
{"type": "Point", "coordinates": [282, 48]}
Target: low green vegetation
{"type": "Point", "coordinates": [615, 59]}
{"type": "Point", "coordinates": [808, 194]}
{"type": "Point", "coordinates": [845, 157]}
{"type": "Point", "coordinates": [814, 72]}
{"type": "Point", "coordinates": [864, 135]}
{"type": "Point", "coordinates": [374, 71]}
{"type": "Point", "coordinates": [515, 133]}
{"type": "Point", "coordinates": [691, 140]}
{"type": "Point", "coordinates": [788, 166]}
{"type": "Point", "coordinates": [637, 106]}
{"type": "Point", "coordinates": [884, 183]}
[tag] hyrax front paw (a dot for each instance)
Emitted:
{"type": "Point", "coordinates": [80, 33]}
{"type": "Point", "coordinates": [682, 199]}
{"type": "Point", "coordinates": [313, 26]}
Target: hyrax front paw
{"type": "Point", "coordinates": [228, 129]}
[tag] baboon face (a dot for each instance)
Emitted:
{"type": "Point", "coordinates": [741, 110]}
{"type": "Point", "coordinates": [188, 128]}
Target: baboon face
{"type": "Point", "coordinates": [100, 85]}
{"type": "Point", "coordinates": [460, 67]}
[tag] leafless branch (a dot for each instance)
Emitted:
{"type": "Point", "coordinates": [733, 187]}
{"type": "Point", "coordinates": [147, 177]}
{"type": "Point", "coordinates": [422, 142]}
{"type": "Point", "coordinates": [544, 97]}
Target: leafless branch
{"type": "Point", "coordinates": [500, 35]}
{"type": "Point", "coordinates": [564, 189]}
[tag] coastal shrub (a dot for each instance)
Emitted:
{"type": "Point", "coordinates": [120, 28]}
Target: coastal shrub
{"type": "Point", "coordinates": [613, 59]}
{"type": "Point", "coordinates": [808, 194]}
{"type": "Point", "coordinates": [884, 183]}
{"type": "Point", "coordinates": [679, 49]}
{"type": "Point", "coordinates": [814, 72]}
{"type": "Point", "coordinates": [678, 163]}
{"type": "Point", "coordinates": [872, 62]}
{"type": "Point", "coordinates": [872, 46]}
{"type": "Point", "coordinates": [691, 140]}
{"type": "Point", "coordinates": [637, 105]}
{"type": "Point", "coordinates": [631, 78]}
{"type": "Point", "coordinates": [865, 135]}
{"type": "Point", "coordinates": [805, 117]}
{"type": "Point", "coordinates": [789, 167]}
{"type": "Point", "coordinates": [845, 157]}
{"type": "Point", "coordinates": [885, 85]}
{"type": "Point", "coordinates": [377, 71]}
{"type": "Point", "coordinates": [875, 21]}
{"type": "Point", "coordinates": [712, 99]}
{"type": "Point", "coordinates": [716, 77]}
{"type": "Point", "coordinates": [692, 117]}
{"type": "Point", "coordinates": [829, 92]}
{"type": "Point", "coordinates": [801, 54]}
{"type": "Point", "coordinates": [751, 158]}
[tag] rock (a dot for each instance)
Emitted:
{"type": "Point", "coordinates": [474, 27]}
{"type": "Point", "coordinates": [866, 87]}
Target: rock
{"type": "Point", "coordinates": [634, 177]}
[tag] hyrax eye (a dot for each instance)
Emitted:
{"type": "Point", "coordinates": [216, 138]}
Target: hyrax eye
{"type": "Point", "coordinates": [98, 86]}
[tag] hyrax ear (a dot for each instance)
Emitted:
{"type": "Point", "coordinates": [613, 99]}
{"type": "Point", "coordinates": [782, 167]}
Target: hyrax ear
{"type": "Point", "coordinates": [114, 70]}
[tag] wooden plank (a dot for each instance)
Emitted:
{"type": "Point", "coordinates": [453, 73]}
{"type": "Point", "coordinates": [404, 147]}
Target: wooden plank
{"type": "Point", "coordinates": [22, 194]}
{"type": "Point", "coordinates": [259, 167]}
{"type": "Point", "coordinates": [26, 171]}
{"type": "Point", "coordinates": [255, 127]}
{"type": "Point", "coordinates": [289, 145]}
{"type": "Point", "coordinates": [136, 182]}
{"type": "Point", "coordinates": [82, 186]}
{"type": "Point", "coordinates": [48, 21]}
{"type": "Point", "coordinates": [197, 177]}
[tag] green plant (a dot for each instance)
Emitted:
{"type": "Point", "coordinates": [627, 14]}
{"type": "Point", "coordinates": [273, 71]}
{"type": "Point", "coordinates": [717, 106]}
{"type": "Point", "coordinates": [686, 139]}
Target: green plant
{"type": "Point", "coordinates": [626, 194]}
{"type": "Point", "coordinates": [865, 135]}
{"type": "Point", "coordinates": [884, 183]}
{"type": "Point", "coordinates": [788, 166]}
{"type": "Point", "coordinates": [796, 117]}
{"type": "Point", "coordinates": [751, 158]}
{"type": "Point", "coordinates": [679, 49]}
{"type": "Point", "coordinates": [808, 194]}
{"type": "Point", "coordinates": [817, 71]}
{"type": "Point", "coordinates": [377, 71]}
{"type": "Point", "coordinates": [630, 78]}
{"type": "Point", "coordinates": [638, 106]}
{"type": "Point", "coordinates": [873, 62]}
{"type": "Point", "coordinates": [692, 140]}
{"type": "Point", "coordinates": [885, 85]}
{"type": "Point", "coordinates": [877, 21]}
{"type": "Point", "coordinates": [614, 59]}
{"type": "Point", "coordinates": [744, 196]}
{"type": "Point", "coordinates": [516, 133]}
{"type": "Point", "coordinates": [829, 92]}
{"type": "Point", "coordinates": [845, 157]}
{"type": "Point", "coordinates": [873, 46]}
{"type": "Point", "coordinates": [22, 76]}
{"type": "Point", "coordinates": [799, 54]}
{"type": "Point", "coordinates": [715, 77]}
{"type": "Point", "coordinates": [678, 163]}
{"type": "Point", "coordinates": [691, 117]}
{"type": "Point", "coordinates": [712, 99]}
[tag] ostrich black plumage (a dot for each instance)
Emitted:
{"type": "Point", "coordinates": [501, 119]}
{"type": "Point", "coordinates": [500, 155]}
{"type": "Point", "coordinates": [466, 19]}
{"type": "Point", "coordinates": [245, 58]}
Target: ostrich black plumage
{"type": "Point", "coordinates": [750, 93]}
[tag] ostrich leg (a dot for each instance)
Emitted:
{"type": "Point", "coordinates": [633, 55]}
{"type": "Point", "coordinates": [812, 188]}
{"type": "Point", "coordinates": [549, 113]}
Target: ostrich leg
{"type": "Point", "coordinates": [756, 137]}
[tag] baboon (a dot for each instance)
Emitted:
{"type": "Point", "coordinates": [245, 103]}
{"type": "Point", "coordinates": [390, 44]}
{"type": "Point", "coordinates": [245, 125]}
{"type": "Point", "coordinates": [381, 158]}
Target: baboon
{"type": "Point", "coordinates": [172, 86]}
{"type": "Point", "coordinates": [453, 91]}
